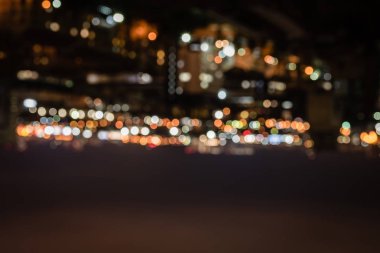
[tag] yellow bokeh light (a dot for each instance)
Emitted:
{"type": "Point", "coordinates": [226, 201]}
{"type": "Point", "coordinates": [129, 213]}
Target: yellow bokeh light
{"type": "Point", "coordinates": [219, 44]}
{"type": "Point", "coordinates": [160, 54]}
{"type": "Point", "coordinates": [244, 114]}
{"type": "Point", "coordinates": [309, 144]}
{"type": "Point", "coordinates": [267, 103]}
{"type": "Point", "coordinates": [369, 138]}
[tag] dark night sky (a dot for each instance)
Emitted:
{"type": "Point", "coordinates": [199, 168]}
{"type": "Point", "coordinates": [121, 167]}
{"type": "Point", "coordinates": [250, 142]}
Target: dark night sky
{"type": "Point", "coordinates": [352, 20]}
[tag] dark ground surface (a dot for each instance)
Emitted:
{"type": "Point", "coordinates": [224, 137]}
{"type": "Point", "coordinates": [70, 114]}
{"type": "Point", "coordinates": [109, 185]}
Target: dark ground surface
{"type": "Point", "coordinates": [128, 199]}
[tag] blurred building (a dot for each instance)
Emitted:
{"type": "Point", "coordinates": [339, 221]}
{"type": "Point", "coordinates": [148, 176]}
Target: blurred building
{"type": "Point", "coordinates": [16, 14]}
{"type": "Point", "coordinates": [62, 55]}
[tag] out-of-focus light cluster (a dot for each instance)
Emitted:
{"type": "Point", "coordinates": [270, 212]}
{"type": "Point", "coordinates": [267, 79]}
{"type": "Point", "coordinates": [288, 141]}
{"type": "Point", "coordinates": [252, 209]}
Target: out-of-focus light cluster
{"type": "Point", "coordinates": [223, 52]}
{"type": "Point", "coordinates": [139, 78]}
{"type": "Point", "coordinates": [357, 137]}
{"type": "Point", "coordinates": [115, 123]}
{"type": "Point", "coordinates": [261, 131]}
{"type": "Point", "coordinates": [32, 75]}
{"type": "Point", "coordinates": [48, 5]}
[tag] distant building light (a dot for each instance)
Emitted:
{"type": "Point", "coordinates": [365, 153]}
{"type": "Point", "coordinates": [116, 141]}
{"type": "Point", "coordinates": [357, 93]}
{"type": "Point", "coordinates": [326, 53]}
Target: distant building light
{"type": "Point", "coordinates": [73, 31]}
{"type": "Point", "coordinates": [104, 10]}
{"type": "Point", "coordinates": [174, 131]}
{"type": "Point", "coordinates": [267, 103]}
{"type": "Point", "coordinates": [95, 21]}
{"type": "Point", "coordinates": [152, 36]}
{"type": "Point", "coordinates": [309, 70]}
{"type": "Point", "coordinates": [327, 86]}
{"type": "Point", "coordinates": [186, 37]}
{"type": "Point", "coordinates": [179, 90]}
{"type": "Point", "coordinates": [327, 76]}
{"type": "Point", "coordinates": [221, 54]}
{"type": "Point", "coordinates": [46, 4]}
{"type": "Point", "coordinates": [270, 60]}
{"type": "Point", "coordinates": [144, 78]}
{"type": "Point", "coordinates": [204, 85]}
{"type": "Point", "coordinates": [185, 77]}
{"type": "Point", "coordinates": [292, 66]}
{"type": "Point", "coordinates": [274, 86]}
{"type": "Point", "coordinates": [66, 131]}
{"type": "Point", "coordinates": [134, 130]}
{"type": "Point", "coordinates": [124, 131]}
{"type": "Point", "coordinates": [205, 77]}
{"type": "Point", "coordinates": [229, 50]}
{"type": "Point", "coordinates": [219, 44]}
{"type": "Point", "coordinates": [205, 47]}
{"type": "Point", "coordinates": [110, 20]}
{"type": "Point", "coordinates": [57, 4]}
{"type": "Point", "coordinates": [222, 94]}
{"type": "Point", "coordinates": [30, 103]}
{"type": "Point", "coordinates": [315, 75]}
{"type": "Point", "coordinates": [160, 54]}
{"type": "Point", "coordinates": [245, 84]}
{"type": "Point", "coordinates": [118, 17]}
{"type": "Point", "coordinates": [54, 26]}
{"type": "Point", "coordinates": [87, 134]}
{"type": "Point", "coordinates": [376, 116]}
{"type": "Point", "coordinates": [103, 135]}
{"type": "Point", "coordinates": [218, 114]}
{"type": "Point", "coordinates": [27, 75]}
{"type": "Point", "coordinates": [287, 105]}
{"type": "Point", "coordinates": [125, 107]}
{"type": "Point", "coordinates": [84, 33]}
{"type": "Point", "coordinates": [62, 113]}
{"type": "Point", "coordinates": [211, 134]}
{"type": "Point", "coordinates": [245, 100]}
{"type": "Point", "coordinates": [241, 52]}
{"type": "Point", "coordinates": [41, 111]}
{"type": "Point", "coordinates": [139, 78]}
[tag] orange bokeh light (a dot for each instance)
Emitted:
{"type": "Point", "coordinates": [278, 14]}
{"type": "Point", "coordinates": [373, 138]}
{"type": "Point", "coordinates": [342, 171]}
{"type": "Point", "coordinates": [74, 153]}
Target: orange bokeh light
{"type": "Point", "coordinates": [218, 60]}
{"type": "Point", "coordinates": [218, 123]}
{"type": "Point", "coordinates": [152, 36]}
{"type": "Point", "coordinates": [226, 111]}
{"type": "Point", "coordinates": [46, 4]}
{"type": "Point", "coordinates": [175, 122]}
{"type": "Point", "coordinates": [119, 124]}
{"type": "Point", "coordinates": [309, 70]}
{"type": "Point", "coordinates": [369, 138]}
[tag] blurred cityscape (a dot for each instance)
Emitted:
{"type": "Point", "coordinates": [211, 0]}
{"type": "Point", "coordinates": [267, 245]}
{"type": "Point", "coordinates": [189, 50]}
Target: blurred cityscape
{"type": "Point", "coordinates": [212, 80]}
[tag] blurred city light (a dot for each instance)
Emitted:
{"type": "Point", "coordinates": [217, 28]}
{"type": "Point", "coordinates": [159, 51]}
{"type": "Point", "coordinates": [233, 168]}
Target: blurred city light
{"type": "Point", "coordinates": [250, 87]}
{"type": "Point", "coordinates": [118, 17]}
{"type": "Point", "coordinates": [30, 103]}
{"type": "Point", "coordinates": [222, 94]}
{"type": "Point", "coordinates": [186, 37]}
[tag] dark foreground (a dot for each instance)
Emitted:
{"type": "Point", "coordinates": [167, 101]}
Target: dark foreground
{"type": "Point", "coordinates": [127, 199]}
